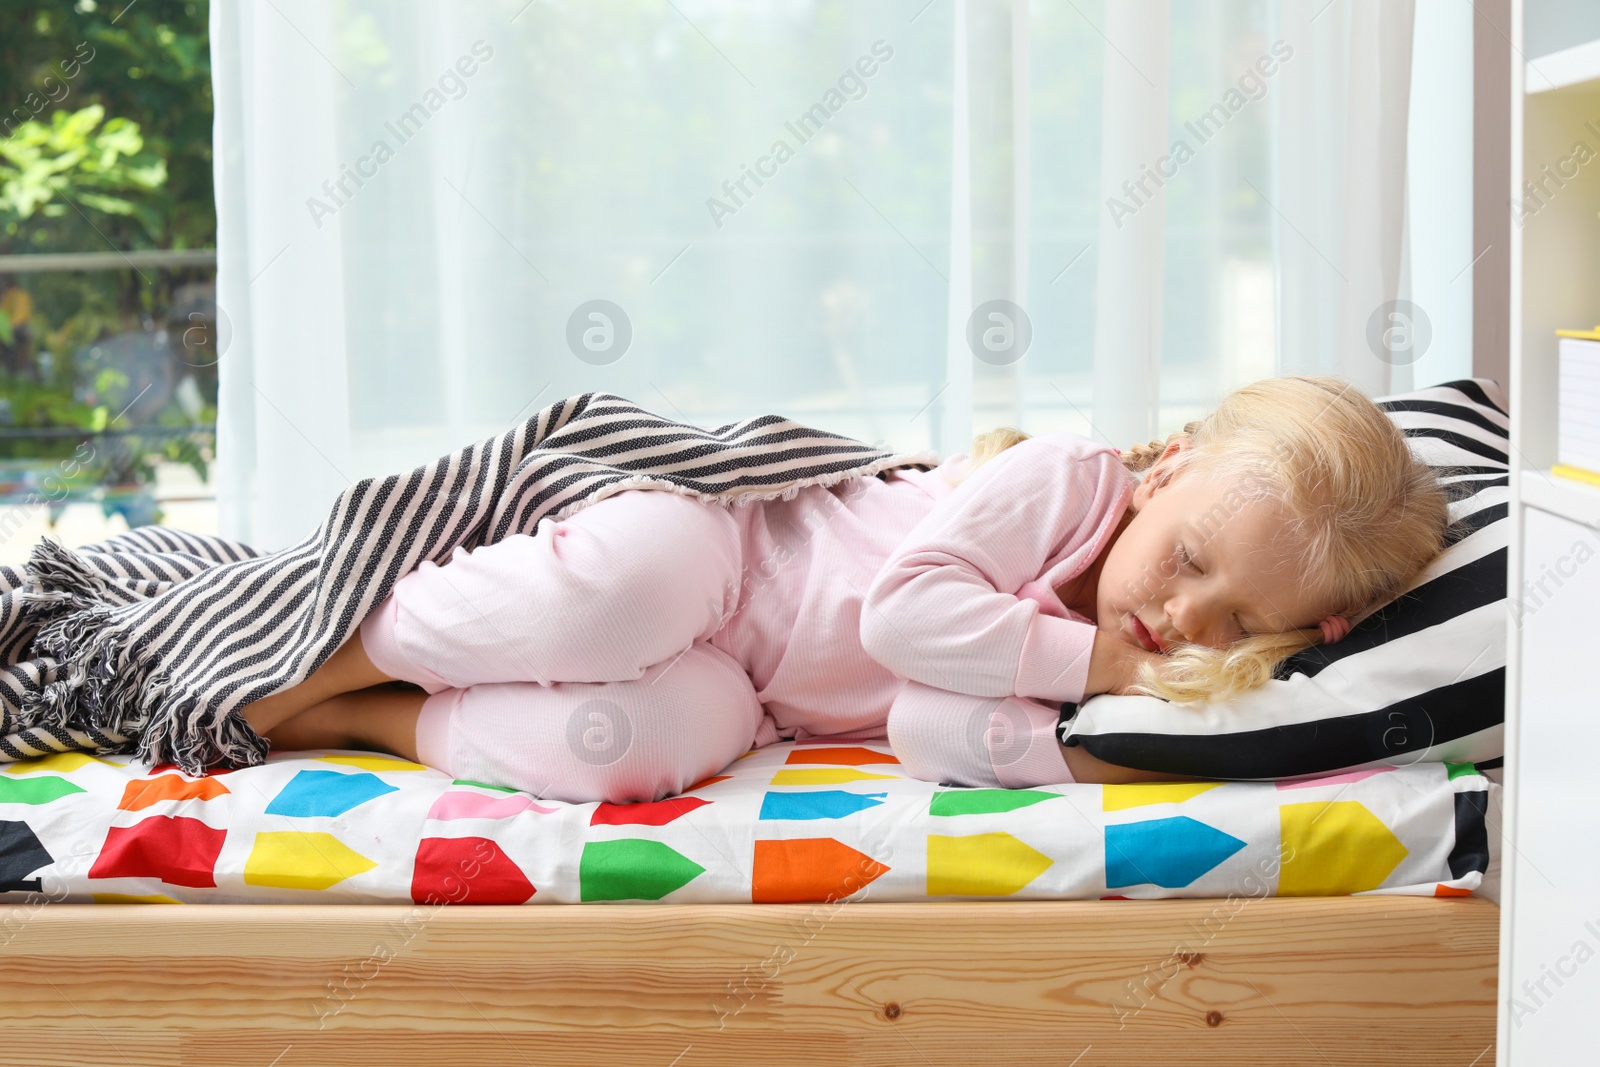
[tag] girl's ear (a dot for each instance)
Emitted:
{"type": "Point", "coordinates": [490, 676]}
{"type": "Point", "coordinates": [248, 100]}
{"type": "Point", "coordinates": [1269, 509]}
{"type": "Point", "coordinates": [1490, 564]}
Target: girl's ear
{"type": "Point", "coordinates": [1164, 469]}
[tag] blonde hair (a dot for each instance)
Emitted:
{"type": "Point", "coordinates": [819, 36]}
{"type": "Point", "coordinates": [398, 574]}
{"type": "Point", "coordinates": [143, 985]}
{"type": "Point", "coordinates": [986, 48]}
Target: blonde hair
{"type": "Point", "coordinates": [1369, 514]}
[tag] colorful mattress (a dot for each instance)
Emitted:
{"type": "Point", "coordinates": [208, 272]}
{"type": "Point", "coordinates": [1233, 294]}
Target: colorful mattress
{"type": "Point", "coordinates": [792, 822]}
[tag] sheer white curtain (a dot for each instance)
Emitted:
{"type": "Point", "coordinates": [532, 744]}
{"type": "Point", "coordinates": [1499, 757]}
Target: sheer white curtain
{"type": "Point", "coordinates": [905, 221]}
{"type": "Point", "coordinates": [1341, 182]}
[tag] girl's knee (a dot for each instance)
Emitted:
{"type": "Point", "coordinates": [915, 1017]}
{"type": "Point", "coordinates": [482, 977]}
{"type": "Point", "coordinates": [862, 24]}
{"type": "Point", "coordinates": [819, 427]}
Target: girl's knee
{"type": "Point", "coordinates": [623, 742]}
{"type": "Point", "coordinates": [708, 679]}
{"type": "Point", "coordinates": [703, 714]}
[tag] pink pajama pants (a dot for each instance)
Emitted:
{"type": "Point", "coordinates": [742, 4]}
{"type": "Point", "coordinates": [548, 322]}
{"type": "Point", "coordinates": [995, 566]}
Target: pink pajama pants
{"type": "Point", "coordinates": [574, 663]}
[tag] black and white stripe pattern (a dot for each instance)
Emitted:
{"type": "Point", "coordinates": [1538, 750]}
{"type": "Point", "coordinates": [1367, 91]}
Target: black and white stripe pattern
{"type": "Point", "coordinates": [1421, 678]}
{"type": "Point", "coordinates": [151, 641]}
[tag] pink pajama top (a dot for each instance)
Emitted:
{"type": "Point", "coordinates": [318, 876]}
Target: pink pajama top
{"type": "Point", "coordinates": [903, 608]}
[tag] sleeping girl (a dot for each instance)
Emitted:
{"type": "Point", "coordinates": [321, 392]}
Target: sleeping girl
{"type": "Point", "coordinates": [647, 640]}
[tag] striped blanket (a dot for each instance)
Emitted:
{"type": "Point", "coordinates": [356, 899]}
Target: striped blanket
{"type": "Point", "coordinates": [152, 641]}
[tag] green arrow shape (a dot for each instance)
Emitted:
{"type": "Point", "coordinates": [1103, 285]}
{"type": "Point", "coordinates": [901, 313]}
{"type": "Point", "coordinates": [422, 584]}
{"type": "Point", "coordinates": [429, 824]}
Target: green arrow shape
{"type": "Point", "coordinates": [633, 869]}
{"type": "Point", "coordinates": [40, 789]}
{"type": "Point", "coordinates": [985, 801]}
{"type": "Point", "coordinates": [482, 785]}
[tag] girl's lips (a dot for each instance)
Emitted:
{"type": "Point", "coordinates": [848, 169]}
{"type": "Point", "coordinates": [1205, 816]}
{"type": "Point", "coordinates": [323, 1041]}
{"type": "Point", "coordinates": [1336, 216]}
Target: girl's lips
{"type": "Point", "coordinates": [1143, 635]}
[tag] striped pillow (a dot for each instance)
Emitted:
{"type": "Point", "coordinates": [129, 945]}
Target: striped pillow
{"type": "Point", "coordinates": [1422, 678]}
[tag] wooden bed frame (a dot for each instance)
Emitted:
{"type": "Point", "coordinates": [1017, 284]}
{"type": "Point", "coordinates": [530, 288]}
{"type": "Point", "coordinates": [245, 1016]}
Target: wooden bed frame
{"type": "Point", "coordinates": [1235, 981]}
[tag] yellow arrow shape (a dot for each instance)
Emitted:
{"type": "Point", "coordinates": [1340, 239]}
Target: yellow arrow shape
{"type": "Point", "coordinates": [60, 763]}
{"type": "Point", "coordinates": [374, 763]}
{"type": "Point", "coordinates": [1333, 848]}
{"type": "Point", "coordinates": [1118, 797]}
{"type": "Point", "coordinates": [982, 865]}
{"type": "Point", "coordinates": [299, 859]}
{"type": "Point", "coordinates": [826, 776]}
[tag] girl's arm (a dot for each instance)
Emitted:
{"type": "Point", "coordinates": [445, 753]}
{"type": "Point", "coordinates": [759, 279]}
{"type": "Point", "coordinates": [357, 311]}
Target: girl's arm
{"type": "Point", "coordinates": [992, 743]}
{"type": "Point", "coordinates": [1009, 743]}
{"type": "Point", "coordinates": [1086, 768]}
{"type": "Point", "coordinates": [943, 609]}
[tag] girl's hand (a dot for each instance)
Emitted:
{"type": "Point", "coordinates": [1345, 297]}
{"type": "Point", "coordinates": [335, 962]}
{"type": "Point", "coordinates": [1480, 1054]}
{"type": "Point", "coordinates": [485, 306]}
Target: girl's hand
{"type": "Point", "coordinates": [1114, 664]}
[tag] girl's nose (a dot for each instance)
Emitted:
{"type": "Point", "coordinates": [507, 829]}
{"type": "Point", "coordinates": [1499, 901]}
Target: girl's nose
{"type": "Point", "coordinates": [1190, 619]}
{"type": "Point", "coordinates": [1180, 617]}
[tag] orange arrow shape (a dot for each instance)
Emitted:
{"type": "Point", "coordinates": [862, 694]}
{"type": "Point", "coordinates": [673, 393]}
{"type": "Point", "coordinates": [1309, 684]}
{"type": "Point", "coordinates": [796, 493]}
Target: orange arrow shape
{"type": "Point", "coordinates": [809, 869]}
{"type": "Point", "coordinates": [854, 756]}
{"type": "Point", "coordinates": [147, 791]}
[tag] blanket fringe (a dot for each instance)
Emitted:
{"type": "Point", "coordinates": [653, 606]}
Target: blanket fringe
{"type": "Point", "coordinates": [107, 681]}
{"type": "Point", "coordinates": [738, 496]}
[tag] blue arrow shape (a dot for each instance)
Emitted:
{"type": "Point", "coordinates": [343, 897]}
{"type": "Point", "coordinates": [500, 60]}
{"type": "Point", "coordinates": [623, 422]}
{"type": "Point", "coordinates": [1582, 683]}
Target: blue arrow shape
{"type": "Point", "coordinates": [817, 804]}
{"type": "Point", "coordinates": [311, 793]}
{"type": "Point", "coordinates": [1167, 852]}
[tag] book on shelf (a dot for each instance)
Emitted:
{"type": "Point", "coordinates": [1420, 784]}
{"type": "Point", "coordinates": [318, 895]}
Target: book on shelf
{"type": "Point", "coordinates": [1578, 406]}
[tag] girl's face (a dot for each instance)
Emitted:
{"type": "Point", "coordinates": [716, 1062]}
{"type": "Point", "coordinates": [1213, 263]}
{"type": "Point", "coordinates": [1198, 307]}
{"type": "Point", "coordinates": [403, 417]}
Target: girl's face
{"type": "Point", "coordinates": [1200, 562]}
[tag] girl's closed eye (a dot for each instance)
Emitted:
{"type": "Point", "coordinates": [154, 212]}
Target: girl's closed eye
{"type": "Point", "coordinates": [1189, 561]}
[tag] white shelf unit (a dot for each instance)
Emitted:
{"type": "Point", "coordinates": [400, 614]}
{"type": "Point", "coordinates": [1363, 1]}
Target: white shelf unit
{"type": "Point", "coordinates": [1550, 898]}
{"type": "Point", "coordinates": [1561, 496]}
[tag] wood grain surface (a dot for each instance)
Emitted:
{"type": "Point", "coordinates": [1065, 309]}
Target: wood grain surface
{"type": "Point", "coordinates": [1238, 981]}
